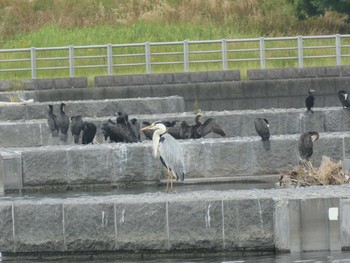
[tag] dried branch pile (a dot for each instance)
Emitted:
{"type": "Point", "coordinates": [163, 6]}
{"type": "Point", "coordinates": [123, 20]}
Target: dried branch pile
{"type": "Point", "coordinates": [329, 173]}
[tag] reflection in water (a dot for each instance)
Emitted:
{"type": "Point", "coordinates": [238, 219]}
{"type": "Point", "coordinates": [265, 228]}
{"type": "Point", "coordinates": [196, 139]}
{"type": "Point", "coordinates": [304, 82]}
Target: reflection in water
{"type": "Point", "coordinates": [181, 188]}
{"type": "Point", "coordinates": [316, 257]}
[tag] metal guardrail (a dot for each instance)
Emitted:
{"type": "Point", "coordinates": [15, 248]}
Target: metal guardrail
{"type": "Point", "coordinates": [177, 56]}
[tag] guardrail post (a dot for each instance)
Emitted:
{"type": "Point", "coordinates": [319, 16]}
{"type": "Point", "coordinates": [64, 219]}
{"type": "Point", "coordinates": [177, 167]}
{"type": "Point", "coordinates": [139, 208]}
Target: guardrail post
{"type": "Point", "coordinates": [300, 52]}
{"type": "Point", "coordinates": [224, 53]}
{"type": "Point", "coordinates": [148, 57]}
{"type": "Point", "coordinates": [109, 60]}
{"type": "Point", "coordinates": [262, 53]}
{"type": "Point", "coordinates": [338, 49]}
{"type": "Point", "coordinates": [186, 56]}
{"type": "Point", "coordinates": [71, 61]}
{"type": "Point", "coordinates": [33, 62]}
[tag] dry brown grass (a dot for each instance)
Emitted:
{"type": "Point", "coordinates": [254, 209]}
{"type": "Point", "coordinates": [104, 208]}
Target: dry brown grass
{"type": "Point", "coordinates": [248, 16]}
{"type": "Point", "coordinates": [329, 173]}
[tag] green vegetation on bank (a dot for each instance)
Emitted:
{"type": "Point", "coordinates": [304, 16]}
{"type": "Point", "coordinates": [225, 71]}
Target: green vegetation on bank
{"type": "Point", "coordinates": [53, 23]}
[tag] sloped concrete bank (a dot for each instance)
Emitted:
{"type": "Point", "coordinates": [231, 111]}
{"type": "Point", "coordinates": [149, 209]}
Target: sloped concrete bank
{"type": "Point", "coordinates": [234, 123]}
{"type": "Point", "coordinates": [93, 108]}
{"type": "Point", "coordinates": [273, 220]}
{"type": "Point", "coordinates": [126, 164]}
{"type": "Point", "coordinates": [222, 90]}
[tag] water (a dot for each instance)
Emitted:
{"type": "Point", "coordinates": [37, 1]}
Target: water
{"type": "Point", "coordinates": [178, 188]}
{"type": "Point", "coordinates": [314, 257]}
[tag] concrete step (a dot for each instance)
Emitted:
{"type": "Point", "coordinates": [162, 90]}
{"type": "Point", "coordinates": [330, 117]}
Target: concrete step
{"type": "Point", "coordinates": [157, 223]}
{"type": "Point", "coordinates": [121, 163]}
{"type": "Point", "coordinates": [234, 123]}
{"type": "Point", "coordinates": [215, 95]}
{"type": "Point", "coordinates": [92, 108]}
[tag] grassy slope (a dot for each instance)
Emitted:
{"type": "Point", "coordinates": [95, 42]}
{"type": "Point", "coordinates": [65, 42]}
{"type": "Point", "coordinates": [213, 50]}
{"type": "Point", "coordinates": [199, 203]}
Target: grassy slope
{"type": "Point", "coordinates": [44, 23]}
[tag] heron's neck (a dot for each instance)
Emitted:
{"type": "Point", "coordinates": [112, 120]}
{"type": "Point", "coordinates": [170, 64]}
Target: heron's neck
{"type": "Point", "coordinates": [155, 140]}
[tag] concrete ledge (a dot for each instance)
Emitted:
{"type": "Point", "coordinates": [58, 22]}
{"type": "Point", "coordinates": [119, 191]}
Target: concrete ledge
{"type": "Point", "coordinates": [234, 123]}
{"type": "Point", "coordinates": [120, 163]}
{"type": "Point", "coordinates": [93, 108]}
{"type": "Point", "coordinates": [167, 78]}
{"type": "Point", "coordinates": [292, 73]}
{"type": "Point", "coordinates": [42, 84]}
{"type": "Point", "coordinates": [219, 96]}
{"type": "Point", "coordinates": [211, 221]}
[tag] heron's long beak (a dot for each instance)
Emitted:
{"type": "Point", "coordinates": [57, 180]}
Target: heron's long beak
{"type": "Point", "coordinates": [150, 127]}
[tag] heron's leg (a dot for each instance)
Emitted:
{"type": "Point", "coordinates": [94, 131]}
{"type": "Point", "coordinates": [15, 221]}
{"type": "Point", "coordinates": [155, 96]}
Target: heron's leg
{"type": "Point", "coordinates": [167, 181]}
{"type": "Point", "coordinates": [171, 180]}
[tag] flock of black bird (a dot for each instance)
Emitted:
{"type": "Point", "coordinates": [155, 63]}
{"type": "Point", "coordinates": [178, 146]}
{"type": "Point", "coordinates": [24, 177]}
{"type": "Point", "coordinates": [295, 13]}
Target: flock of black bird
{"type": "Point", "coordinates": [306, 139]}
{"type": "Point", "coordinates": [125, 130]}
{"type": "Point", "coordinates": [59, 125]}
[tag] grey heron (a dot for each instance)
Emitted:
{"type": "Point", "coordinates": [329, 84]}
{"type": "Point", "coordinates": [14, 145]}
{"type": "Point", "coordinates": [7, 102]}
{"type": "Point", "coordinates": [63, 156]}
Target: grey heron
{"type": "Point", "coordinates": [344, 98]}
{"type": "Point", "coordinates": [305, 144]}
{"type": "Point", "coordinates": [262, 128]}
{"type": "Point", "coordinates": [169, 150]}
{"type": "Point", "coordinates": [310, 101]}
{"type": "Point", "coordinates": [63, 122]}
{"type": "Point", "coordinates": [52, 121]}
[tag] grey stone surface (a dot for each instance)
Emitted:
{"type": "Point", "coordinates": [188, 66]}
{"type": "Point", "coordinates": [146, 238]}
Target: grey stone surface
{"type": "Point", "coordinates": [167, 78]}
{"type": "Point", "coordinates": [141, 226]}
{"type": "Point", "coordinates": [180, 78]}
{"type": "Point", "coordinates": [117, 163]}
{"type": "Point", "coordinates": [6, 227]}
{"type": "Point", "coordinates": [249, 222]}
{"type": "Point", "coordinates": [89, 165]}
{"type": "Point", "coordinates": [11, 171]}
{"type": "Point", "coordinates": [315, 224]}
{"type": "Point", "coordinates": [282, 233]}
{"type": "Point", "coordinates": [229, 95]}
{"type": "Point", "coordinates": [344, 207]}
{"type": "Point", "coordinates": [38, 227]}
{"type": "Point", "coordinates": [94, 108]}
{"type": "Point", "coordinates": [200, 219]}
{"type": "Point", "coordinates": [89, 227]}
{"type": "Point", "coordinates": [54, 83]}
{"type": "Point", "coordinates": [45, 166]}
{"type": "Point", "coordinates": [158, 222]}
{"type": "Point", "coordinates": [291, 73]}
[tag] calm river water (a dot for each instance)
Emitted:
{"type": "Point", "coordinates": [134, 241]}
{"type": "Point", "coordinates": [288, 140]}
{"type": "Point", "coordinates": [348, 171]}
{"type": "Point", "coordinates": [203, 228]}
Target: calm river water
{"type": "Point", "coordinates": [316, 257]}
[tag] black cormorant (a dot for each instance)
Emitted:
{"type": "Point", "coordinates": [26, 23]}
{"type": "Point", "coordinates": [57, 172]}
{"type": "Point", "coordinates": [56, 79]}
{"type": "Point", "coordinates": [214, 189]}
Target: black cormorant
{"type": "Point", "coordinates": [131, 133]}
{"type": "Point", "coordinates": [310, 101]}
{"type": "Point", "coordinates": [76, 127]}
{"type": "Point", "coordinates": [52, 121]}
{"type": "Point", "coordinates": [305, 144]}
{"type": "Point", "coordinates": [199, 129]}
{"type": "Point", "coordinates": [262, 128]}
{"type": "Point", "coordinates": [110, 130]}
{"type": "Point", "coordinates": [89, 132]}
{"type": "Point", "coordinates": [344, 98]}
{"type": "Point", "coordinates": [63, 123]}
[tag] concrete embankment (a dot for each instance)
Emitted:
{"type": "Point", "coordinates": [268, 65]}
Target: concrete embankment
{"type": "Point", "coordinates": [234, 123]}
{"type": "Point", "coordinates": [223, 90]}
{"type": "Point", "coordinates": [93, 108]}
{"type": "Point", "coordinates": [118, 164]}
{"type": "Point", "coordinates": [295, 220]}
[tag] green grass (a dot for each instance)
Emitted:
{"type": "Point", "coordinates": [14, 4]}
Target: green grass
{"type": "Point", "coordinates": [166, 53]}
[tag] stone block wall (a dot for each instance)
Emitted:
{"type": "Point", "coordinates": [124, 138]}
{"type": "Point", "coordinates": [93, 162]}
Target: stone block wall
{"type": "Point", "coordinates": [115, 164]}
{"type": "Point", "coordinates": [157, 223]}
